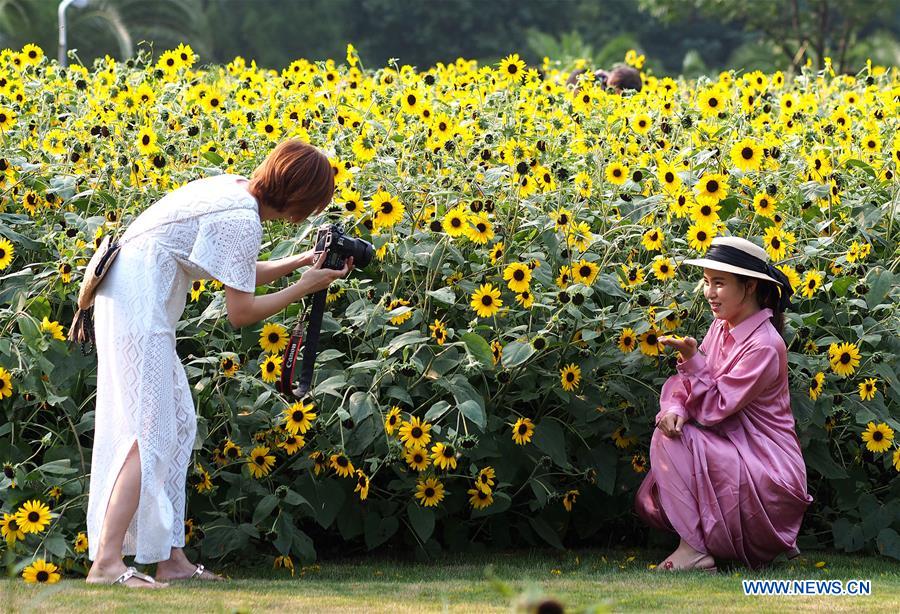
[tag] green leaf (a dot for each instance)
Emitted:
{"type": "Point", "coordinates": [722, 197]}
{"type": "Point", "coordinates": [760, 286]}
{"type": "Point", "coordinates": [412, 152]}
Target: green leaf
{"type": "Point", "coordinates": [408, 338]}
{"type": "Point", "coordinates": [40, 308]}
{"type": "Point", "coordinates": [58, 467]}
{"type": "Point", "coordinates": [728, 206]}
{"type": "Point", "coordinates": [213, 157]}
{"type": "Point", "coordinates": [284, 531]}
{"type": "Point", "coordinates": [515, 353]}
{"type": "Point", "coordinates": [819, 458]}
{"type": "Point", "coordinates": [549, 438]}
{"type": "Point", "coordinates": [479, 348]}
{"type": "Point", "coordinates": [546, 532]}
{"type": "Point", "coordinates": [421, 519]}
{"type": "Point", "coordinates": [29, 331]}
{"type": "Point", "coordinates": [841, 284]}
{"type": "Point", "coordinates": [879, 285]}
{"type": "Point", "coordinates": [56, 545]}
{"type": "Point", "coordinates": [330, 354]}
{"type": "Point", "coordinates": [472, 410]}
{"type": "Point", "coordinates": [304, 547]}
{"type": "Point", "coordinates": [436, 411]}
{"type": "Point", "coordinates": [378, 530]}
{"type": "Point", "coordinates": [888, 542]}
{"type": "Point", "coordinates": [360, 406]}
{"type": "Point", "coordinates": [264, 508]}
{"type": "Point", "coordinates": [443, 295]}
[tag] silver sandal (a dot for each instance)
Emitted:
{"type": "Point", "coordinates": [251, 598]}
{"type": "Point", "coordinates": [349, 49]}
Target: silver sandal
{"type": "Point", "coordinates": [131, 572]}
{"type": "Point", "coordinates": [198, 572]}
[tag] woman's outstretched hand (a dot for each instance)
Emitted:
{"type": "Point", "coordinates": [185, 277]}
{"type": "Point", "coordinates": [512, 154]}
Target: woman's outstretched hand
{"type": "Point", "coordinates": [671, 424]}
{"type": "Point", "coordinates": [687, 346]}
{"type": "Point", "coordinates": [317, 278]}
{"type": "Point", "coordinates": [306, 258]}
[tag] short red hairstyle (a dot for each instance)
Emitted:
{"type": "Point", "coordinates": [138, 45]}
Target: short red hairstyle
{"type": "Point", "coordinates": [295, 178]}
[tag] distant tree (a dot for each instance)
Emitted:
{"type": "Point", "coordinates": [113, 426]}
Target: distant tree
{"type": "Point", "coordinates": [800, 28]}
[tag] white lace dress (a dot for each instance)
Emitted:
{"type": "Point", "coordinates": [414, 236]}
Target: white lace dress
{"type": "Point", "coordinates": [207, 229]}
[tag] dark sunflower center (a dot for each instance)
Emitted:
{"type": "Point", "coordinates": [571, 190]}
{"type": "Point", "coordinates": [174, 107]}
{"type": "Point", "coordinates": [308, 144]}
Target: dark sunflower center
{"type": "Point", "coordinates": [664, 268]}
{"type": "Point", "coordinates": [351, 205]}
{"type": "Point", "coordinates": [33, 516]}
{"type": "Point", "coordinates": [418, 458]}
{"type": "Point", "coordinates": [448, 452]}
{"type": "Point", "coordinates": [270, 366]}
{"type": "Point", "coordinates": [342, 461]}
{"type": "Point", "coordinates": [585, 271]}
{"type": "Point", "coordinates": [570, 376]}
{"type": "Point", "coordinates": [145, 140]}
{"type": "Point", "coordinates": [701, 236]}
{"type": "Point", "coordinates": [42, 576]}
{"type": "Point", "coordinates": [651, 339]}
{"type": "Point", "coordinates": [523, 428]}
{"type": "Point", "coordinates": [487, 300]}
{"type": "Point", "coordinates": [812, 285]}
{"type": "Point", "coordinates": [877, 436]}
{"type": "Point", "coordinates": [775, 243]}
{"type": "Point", "coordinates": [747, 153]}
{"type": "Point", "coordinates": [387, 208]}
{"type": "Point", "coordinates": [429, 492]}
{"type": "Point", "coordinates": [845, 358]}
{"type": "Point", "coordinates": [562, 220]}
{"type": "Point", "coordinates": [481, 227]}
{"type": "Point", "coordinates": [231, 452]}
{"type": "Point", "coordinates": [713, 102]}
{"type": "Point", "coordinates": [274, 337]}
{"type": "Point", "coordinates": [416, 432]}
{"type": "Point", "coordinates": [519, 275]}
{"type": "Point", "coordinates": [712, 185]}
{"type": "Point", "coordinates": [298, 416]}
{"type": "Point", "coordinates": [362, 481]}
{"type": "Point", "coordinates": [617, 172]}
{"type": "Point", "coordinates": [411, 100]}
{"type": "Point", "coordinates": [260, 460]}
{"type": "Point", "coordinates": [456, 222]}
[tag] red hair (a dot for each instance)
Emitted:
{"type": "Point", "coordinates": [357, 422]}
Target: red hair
{"type": "Point", "coordinates": [295, 178]}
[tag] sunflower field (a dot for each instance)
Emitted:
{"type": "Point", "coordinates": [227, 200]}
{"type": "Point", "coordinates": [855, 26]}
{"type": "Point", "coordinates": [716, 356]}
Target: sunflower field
{"type": "Point", "coordinates": [492, 377]}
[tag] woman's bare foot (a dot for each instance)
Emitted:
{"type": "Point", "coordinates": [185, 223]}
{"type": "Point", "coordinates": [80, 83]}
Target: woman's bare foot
{"type": "Point", "coordinates": [108, 573]}
{"type": "Point", "coordinates": [686, 557]}
{"type": "Point", "coordinates": [178, 567]}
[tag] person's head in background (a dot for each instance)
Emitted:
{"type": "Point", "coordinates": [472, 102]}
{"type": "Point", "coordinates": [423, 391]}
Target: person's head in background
{"type": "Point", "coordinates": [619, 79]}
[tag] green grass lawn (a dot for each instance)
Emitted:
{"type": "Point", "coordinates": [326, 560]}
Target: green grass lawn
{"type": "Point", "coordinates": [615, 580]}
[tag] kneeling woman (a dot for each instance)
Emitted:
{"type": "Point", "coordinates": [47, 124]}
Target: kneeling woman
{"type": "Point", "coordinates": [726, 472]}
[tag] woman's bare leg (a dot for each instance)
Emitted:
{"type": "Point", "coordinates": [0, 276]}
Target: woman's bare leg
{"type": "Point", "coordinates": [178, 567]}
{"type": "Point", "coordinates": [123, 502]}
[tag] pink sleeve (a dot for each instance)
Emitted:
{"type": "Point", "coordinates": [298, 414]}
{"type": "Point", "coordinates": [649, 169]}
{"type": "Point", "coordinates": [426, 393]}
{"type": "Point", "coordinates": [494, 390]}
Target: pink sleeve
{"type": "Point", "coordinates": [710, 400]}
{"type": "Point", "coordinates": [673, 397]}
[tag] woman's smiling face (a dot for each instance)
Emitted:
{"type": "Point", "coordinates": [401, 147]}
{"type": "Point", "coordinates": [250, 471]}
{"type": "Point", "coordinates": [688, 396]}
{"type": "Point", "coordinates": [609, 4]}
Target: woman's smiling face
{"type": "Point", "coordinates": [728, 297]}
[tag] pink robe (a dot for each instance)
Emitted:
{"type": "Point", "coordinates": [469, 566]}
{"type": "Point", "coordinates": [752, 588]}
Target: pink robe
{"type": "Point", "coordinates": [733, 485]}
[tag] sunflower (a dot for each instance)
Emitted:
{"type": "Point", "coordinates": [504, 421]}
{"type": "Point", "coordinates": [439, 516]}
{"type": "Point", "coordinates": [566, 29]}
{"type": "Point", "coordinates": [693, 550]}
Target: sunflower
{"type": "Point", "coordinates": [270, 128]}
{"type": "Point", "coordinates": [319, 460]}
{"type": "Point", "coordinates": [392, 421]}
{"type": "Point", "coordinates": [878, 438]}
{"type": "Point", "coordinates": [7, 119]}
{"type": "Point", "coordinates": [763, 205]}
{"type": "Point", "coordinates": [480, 499]}
{"type": "Point", "coordinates": [512, 67]}
{"type": "Point", "coordinates": [352, 202]}
{"type": "Point", "coordinates": [81, 543]}
{"type": "Point", "coordinates": [342, 465]}
{"type": "Point", "coordinates": [429, 492]}
{"type": "Point", "coordinates": [417, 458]}
{"type": "Point", "coordinates": [844, 358]}
{"type": "Point", "coordinates": [415, 433]}
{"type": "Point", "coordinates": [388, 209]}
{"type": "Point", "coordinates": [650, 344]}
{"type": "Point", "coordinates": [54, 328]}
{"type": "Point", "coordinates": [642, 124]}
{"type": "Point", "coordinates": [525, 298]}
{"type": "Point", "coordinates": [197, 288]}
{"type": "Point", "coordinates": [231, 451]}
{"type": "Point", "coordinates": [522, 431]}
{"type": "Point", "coordinates": [438, 332]}
{"type": "Point", "coordinates": [775, 243]}
{"type": "Point", "coordinates": [569, 499]}
{"type": "Point", "coordinates": [298, 418]}
{"type": "Point", "coordinates": [6, 388]}
{"type": "Point", "coordinates": [705, 213]}
{"type": "Point", "coordinates": [273, 338]}
{"type": "Point", "coordinates": [291, 443]}
{"type": "Point", "coordinates": [497, 252]}
{"type": "Point", "coordinates": [564, 278]}
{"type": "Point", "coordinates": [260, 462]}
{"type": "Point", "coordinates": [652, 240]}
{"type": "Point", "coordinates": [10, 529]}
{"type": "Point", "coordinates": [583, 184]}
{"type": "Point", "coordinates": [585, 272]}
{"type": "Point", "coordinates": [146, 141]}
{"type": "Point", "coordinates": [562, 218]}
{"type": "Point", "coordinates": [399, 319]}
{"type": "Point", "coordinates": [634, 276]}
{"type": "Point", "coordinates": [621, 439]}
{"type": "Point", "coordinates": [746, 155]}
{"type": "Point", "coordinates": [65, 272]}
{"type": "Point", "coordinates": [639, 463]}
{"type": "Point", "coordinates": [663, 268]}
{"type": "Point", "coordinates": [867, 389]}
{"type": "Point", "coordinates": [486, 301]}
{"type": "Point", "coordinates": [33, 516]}
{"type": "Point", "coordinates": [570, 376]}
{"type": "Point", "coordinates": [485, 479]}
{"type": "Point", "coordinates": [668, 178]}
{"type": "Point", "coordinates": [229, 366]}
{"type": "Point", "coordinates": [627, 341]}
{"type": "Point", "coordinates": [41, 572]}
{"type": "Point", "coordinates": [816, 384]}
{"type": "Point", "coordinates": [812, 281]}
{"type": "Point", "coordinates": [617, 173]}
{"type": "Point", "coordinates": [283, 562]}
{"type": "Point", "coordinates": [201, 480]}
{"type": "Point", "coordinates": [455, 222]}
{"type": "Point", "coordinates": [517, 276]}
{"type": "Point", "coordinates": [711, 101]}
{"type": "Point", "coordinates": [711, 189]}
{"type": "Point", "coordinates": [6, 253]}
{"type": "Point", "coordinates": [362, 485]}
{"type": "Point", "coordinates": [700, 236]}
{"type": "Point", "coordinates": [443, 455]}
{"type": "Point", "coordinates": [271, 368]}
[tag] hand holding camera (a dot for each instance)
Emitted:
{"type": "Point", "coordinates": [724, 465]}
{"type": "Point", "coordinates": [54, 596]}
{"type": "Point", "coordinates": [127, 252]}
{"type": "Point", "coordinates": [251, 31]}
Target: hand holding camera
{"type": "Point", "coordinates": [318, 278]}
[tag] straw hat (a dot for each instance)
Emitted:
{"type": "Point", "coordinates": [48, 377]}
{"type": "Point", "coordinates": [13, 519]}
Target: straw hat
{"type": "Point", "coordinates": [740, 256]}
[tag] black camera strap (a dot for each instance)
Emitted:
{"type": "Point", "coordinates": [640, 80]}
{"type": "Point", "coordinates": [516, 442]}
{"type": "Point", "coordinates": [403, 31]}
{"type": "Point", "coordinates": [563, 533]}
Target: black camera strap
{"type": "Point", "coordinates": [310, 332]}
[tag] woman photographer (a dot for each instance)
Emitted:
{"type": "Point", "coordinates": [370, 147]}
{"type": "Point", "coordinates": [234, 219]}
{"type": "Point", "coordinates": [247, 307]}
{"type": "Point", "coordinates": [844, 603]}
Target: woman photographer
{"type": "Point", "coordinates": [145, 421]}
{"type": "Point", "coordinates": [727, 474]}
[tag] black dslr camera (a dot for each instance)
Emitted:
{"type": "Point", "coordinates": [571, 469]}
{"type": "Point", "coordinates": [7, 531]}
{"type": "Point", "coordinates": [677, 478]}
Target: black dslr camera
{"type": "Point", "coordinates": [337, 246]}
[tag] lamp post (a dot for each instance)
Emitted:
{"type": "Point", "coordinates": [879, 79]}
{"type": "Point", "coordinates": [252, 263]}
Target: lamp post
{"type": "Point", "coordinates": [61, 12]}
